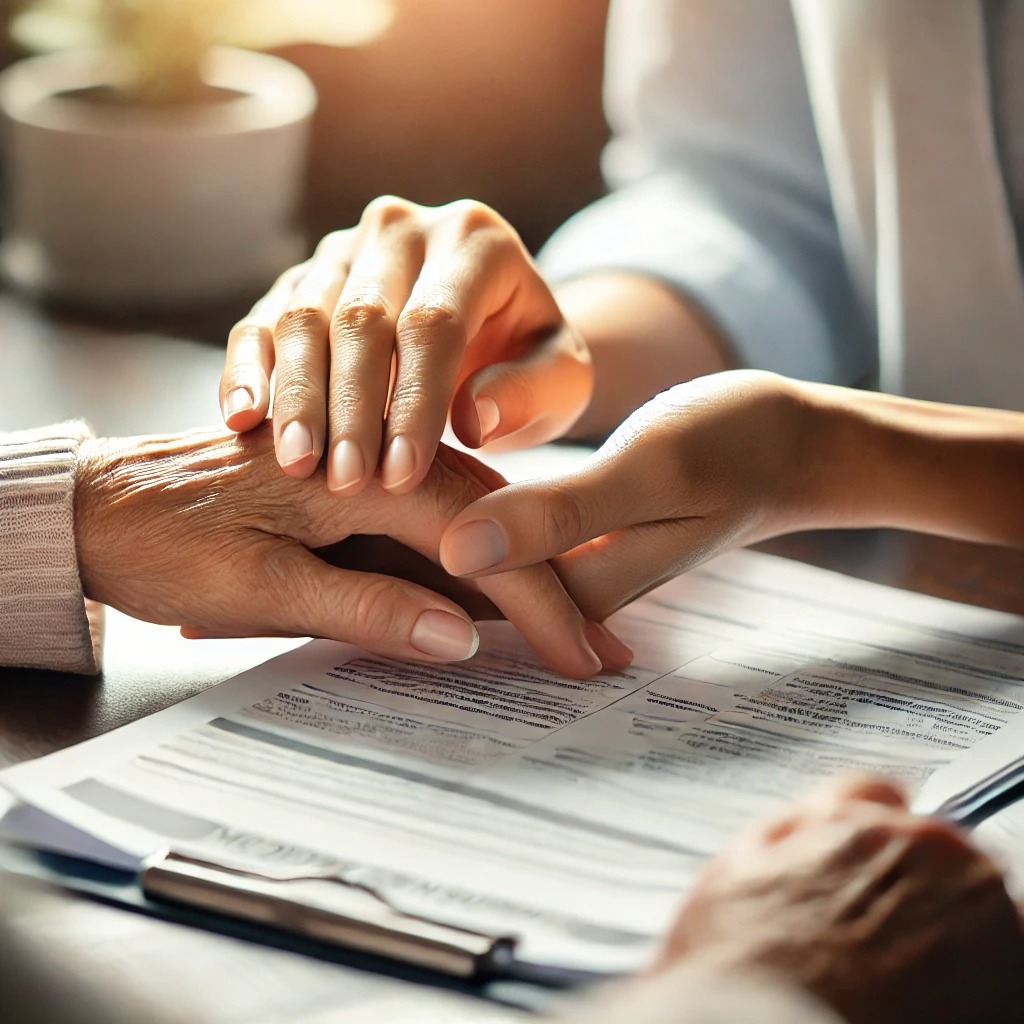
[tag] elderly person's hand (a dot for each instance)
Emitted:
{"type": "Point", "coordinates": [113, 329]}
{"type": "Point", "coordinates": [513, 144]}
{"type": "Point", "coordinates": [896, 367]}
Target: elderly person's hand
{"type": "Point", "coordinates": [416, 312]}
{"type": "Point", "coordinates": [884, 916]}
{"type": "Point", "coordinates": [202, 530]}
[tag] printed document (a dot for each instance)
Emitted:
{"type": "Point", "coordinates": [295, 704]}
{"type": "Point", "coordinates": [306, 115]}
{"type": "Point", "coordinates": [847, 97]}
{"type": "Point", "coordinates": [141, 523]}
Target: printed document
{"type": "Point", "coordinates": [496, 795]}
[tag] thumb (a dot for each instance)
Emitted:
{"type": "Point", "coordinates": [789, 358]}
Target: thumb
{"type": "Point", "coordinates": [526, 401]}
{"type": "Point", "coordinates": [381, 614]}
{"type": "Point", "coordinates": [531, 522]}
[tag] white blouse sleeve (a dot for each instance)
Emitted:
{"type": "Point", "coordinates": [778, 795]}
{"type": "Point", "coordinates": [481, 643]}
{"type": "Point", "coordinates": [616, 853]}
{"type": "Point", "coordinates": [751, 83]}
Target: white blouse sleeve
{"type": "Point", "coordinates": [718, 186]}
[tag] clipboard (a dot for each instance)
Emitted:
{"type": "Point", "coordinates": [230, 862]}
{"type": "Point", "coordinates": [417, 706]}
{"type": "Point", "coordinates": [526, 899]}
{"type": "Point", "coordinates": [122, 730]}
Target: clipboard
{"type": "Point", "coordinates": [532, 991]}
{"type": "Point", "coordinates": [327, 908]}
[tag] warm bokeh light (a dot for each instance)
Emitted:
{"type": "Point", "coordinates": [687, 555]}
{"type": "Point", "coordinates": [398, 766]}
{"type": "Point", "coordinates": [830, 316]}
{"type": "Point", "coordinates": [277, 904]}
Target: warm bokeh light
{"type": "Point", "coordinates": [429, 99]}
{"type": "Point", "coordinates": [263, 24]}
{"type": "Point", "coordinates": [49, 25]}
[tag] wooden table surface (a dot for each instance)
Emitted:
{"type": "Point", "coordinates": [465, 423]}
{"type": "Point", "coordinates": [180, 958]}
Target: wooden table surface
{"type": "Point", "coordinates": [125, 382]}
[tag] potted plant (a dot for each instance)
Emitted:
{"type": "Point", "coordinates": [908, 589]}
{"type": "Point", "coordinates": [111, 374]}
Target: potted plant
{"type": "Point", "coordinates": [147, 163]}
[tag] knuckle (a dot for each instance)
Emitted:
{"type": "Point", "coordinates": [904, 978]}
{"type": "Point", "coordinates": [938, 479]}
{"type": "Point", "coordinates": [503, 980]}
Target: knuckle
{"type": "Point", "coordinates": [247, 327]}
{"type": "Point", "coordinates": [280, 291]}
{"type": "Point", "coordinates": [334, 242]}
{"type": "Point", "coordinates": [248, 337]}
{"type": "Point", "coordinates": [301, 322]}
{"type": "Point", "coordinates": [293, 275]}
{"type": "Point", "coordinates": [457, 494]}
{"type": "Point", "coordinates": [287, 278]}
{"type": "Point", "coordinates": [299, 392]}
{"type": "Point", "coordinates": [240, 377]}
{"type": "Point", "coordinates": [448, 488]}
{"type": "Point", "coordinates": [362, 314]}
{"type": "Point", "coordinates": [384, 211]}
{"type": "Point", "coordinates": [372, 609]}
{"type": "Point", "coordinates": [351, 414]}
{"type": "Point", "coordinates": [415, 409]}
{"type": "Point", "coordinates": [471, 215]}
{"type": "Point", "coordinates": [566, 519]}
{"type": "Point", "coordinates": [517, 392]}
{"type": "Point", "coordinates": [274, 568]}
{"type": "Point", "coordinates": [442, 505]}
{"type": "Point", "coordinates": [503, 246]}
{"type": "Point", "coordinates": [420, 322]}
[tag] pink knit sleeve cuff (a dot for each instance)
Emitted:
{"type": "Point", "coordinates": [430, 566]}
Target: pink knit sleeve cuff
{"type": "Point", "coordinates": [44, 619]}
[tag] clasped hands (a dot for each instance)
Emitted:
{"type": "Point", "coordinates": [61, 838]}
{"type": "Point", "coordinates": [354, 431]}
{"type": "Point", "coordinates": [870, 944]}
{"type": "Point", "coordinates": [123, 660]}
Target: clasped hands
{"type": "Point", "coordinates": [414, 312]}
{"type": "Point", "coordinates": [414, 317]}
{"type": "Point", "coordinates": [419, 316]}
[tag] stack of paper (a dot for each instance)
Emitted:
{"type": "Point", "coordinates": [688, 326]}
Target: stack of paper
{"type": "Point", "coordinates": [496, 796]}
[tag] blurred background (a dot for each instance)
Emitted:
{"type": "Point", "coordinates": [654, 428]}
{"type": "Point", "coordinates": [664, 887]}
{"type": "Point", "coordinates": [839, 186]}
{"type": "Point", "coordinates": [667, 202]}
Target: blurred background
{"type": "Point", "coordinates": [498, 100]}
{"type": "Point", "coordinates": [432, 100]}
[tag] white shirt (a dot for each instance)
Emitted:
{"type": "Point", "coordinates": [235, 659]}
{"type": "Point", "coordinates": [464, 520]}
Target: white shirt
{"type": "Point", "coordinates": [824, 178]}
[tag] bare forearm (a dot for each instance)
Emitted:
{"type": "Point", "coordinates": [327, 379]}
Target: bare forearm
{"type": "Point", "coordinates": [878, 460]}
{"type": "Point", "coordinates": [643, 336]}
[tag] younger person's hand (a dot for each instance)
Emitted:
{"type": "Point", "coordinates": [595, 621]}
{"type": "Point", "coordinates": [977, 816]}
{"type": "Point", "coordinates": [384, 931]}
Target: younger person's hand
{"type": "Point", "coordinates": [415, 314]}
{"type": "Point", "coordinates": [708, 465]}
{"type": "Point", "coordinates": [734, 458]}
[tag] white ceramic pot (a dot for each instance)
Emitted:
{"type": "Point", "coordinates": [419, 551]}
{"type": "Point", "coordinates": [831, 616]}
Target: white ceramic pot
{"type": "Point", "coordinates": [116, 207]}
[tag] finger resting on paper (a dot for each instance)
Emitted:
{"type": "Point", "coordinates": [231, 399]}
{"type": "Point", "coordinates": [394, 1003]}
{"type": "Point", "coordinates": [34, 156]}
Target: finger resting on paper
{"type": "Point", "coordinates": [535, 602]}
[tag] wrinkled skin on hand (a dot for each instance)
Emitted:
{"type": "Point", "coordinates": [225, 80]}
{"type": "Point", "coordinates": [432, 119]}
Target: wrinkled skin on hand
{"type": "Point", "coordinates": [202, 530]}
{"type": "Point", "coordinates": [885, 916]}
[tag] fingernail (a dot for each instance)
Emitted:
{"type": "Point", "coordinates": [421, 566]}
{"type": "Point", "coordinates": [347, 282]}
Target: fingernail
{"type": "Point", "coordinates": [346, 466]}
{"type": "Point", "coordinates": [596, 664]}
{"type": "Point", "coordinates": [238, 400]}
{"type": "Point", "coordinates": [488, 415]}
{"type": "Point", "coordinates": [475, 546]}
{"type": "Point", "coordinates": [442, 635]}
{"type": "Point", "coordinates": [614, 654]}
{"type": "Point", "coordinates": [296, 443]}
{"type": "Point", "coordinates": [399, 463]}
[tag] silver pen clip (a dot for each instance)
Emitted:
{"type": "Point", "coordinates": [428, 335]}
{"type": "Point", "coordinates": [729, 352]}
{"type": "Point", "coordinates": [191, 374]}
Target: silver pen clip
{"type": "Point", "coordinates": [328, 907]}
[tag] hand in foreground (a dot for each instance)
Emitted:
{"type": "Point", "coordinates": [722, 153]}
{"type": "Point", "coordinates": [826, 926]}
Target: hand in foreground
{"type": "Point", "coordinates": [388, 324]}
{"type": "Point", "coordinates": [886, 917]}
{"type": "Point", "coordinates": [202, 530]}
{"type": "Point", "coordinates": [704, 466]}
